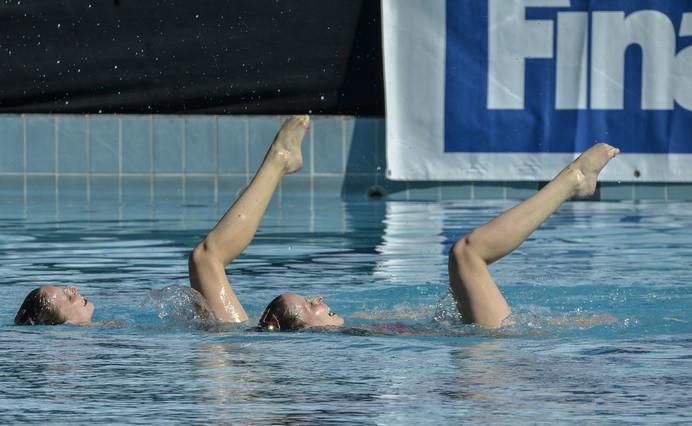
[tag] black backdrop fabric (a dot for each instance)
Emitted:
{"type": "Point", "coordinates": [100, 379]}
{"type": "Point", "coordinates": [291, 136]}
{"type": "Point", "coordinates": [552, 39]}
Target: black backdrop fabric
{"type": "Point", "coordinates": [191, 57]}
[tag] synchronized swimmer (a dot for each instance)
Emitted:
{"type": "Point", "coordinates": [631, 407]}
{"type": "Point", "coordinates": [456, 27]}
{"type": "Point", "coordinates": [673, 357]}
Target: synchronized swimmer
{"type": "Point", "coordinates": [477, 296]}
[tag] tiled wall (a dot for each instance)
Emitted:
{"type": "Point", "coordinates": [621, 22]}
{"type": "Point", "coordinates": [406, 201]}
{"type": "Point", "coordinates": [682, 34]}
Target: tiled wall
{"type": "Point", "coordinates": [193, 159]}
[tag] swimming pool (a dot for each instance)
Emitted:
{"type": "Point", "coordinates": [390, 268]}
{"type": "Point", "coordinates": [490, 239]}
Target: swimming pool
{"type": "Point", "coordinates": [147, 361]}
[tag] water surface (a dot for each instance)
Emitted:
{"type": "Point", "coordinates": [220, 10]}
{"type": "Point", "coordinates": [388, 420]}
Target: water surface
{"type": "Point", "coordinates": [382, 265]}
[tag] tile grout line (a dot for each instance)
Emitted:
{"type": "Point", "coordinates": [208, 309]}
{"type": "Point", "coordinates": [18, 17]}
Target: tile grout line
{"type": "Point", "coordinates": [216, 159]}
{"type": "Point", "coordinates": [343, 145]}
{"type": "Point", "coordinates": [120, 168]}
{"type": "Point", "coordinates": [377, 152]}
{"type": "Point", "coordinates": [312, 166]}
{"type": "Point", "coordinates": [281, 182]}
{"type": "Point", "coordinates": [151, 159]}
{"type": "Point", "coordinates": [56, 178]}
{"type": "Point", "coordinates": [24, 160]}
{"type": "Point", "coordinates": [183, 160]}
{"type": "Point", "coordinates": [247, 149]}
{"type": "Point", "coordinates": [87, 142]}
{"type": "Point", "coordinates": [120, 161]}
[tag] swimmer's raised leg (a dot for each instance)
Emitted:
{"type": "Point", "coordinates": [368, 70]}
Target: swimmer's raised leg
{"type": "Point", "coordinates": [237, 227]}
{"type": "Point", "coordinates": [478, 298]}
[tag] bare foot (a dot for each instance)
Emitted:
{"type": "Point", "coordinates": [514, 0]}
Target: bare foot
{"type": "Point", "coordinates": [589, 165]}
{"type": "Point", "coordinates": [287, 143]}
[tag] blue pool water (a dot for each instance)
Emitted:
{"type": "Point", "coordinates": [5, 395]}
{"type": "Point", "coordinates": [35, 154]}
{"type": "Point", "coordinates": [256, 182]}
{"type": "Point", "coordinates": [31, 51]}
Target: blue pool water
{"type": "Point", "coordinates": [381, 265]}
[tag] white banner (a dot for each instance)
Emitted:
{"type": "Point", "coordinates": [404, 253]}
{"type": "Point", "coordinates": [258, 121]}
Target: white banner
{"type": "Point", "coordinates": [509, 90]}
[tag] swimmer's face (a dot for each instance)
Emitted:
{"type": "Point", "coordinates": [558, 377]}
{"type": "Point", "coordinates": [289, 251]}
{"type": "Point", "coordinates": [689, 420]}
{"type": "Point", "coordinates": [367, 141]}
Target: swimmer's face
{"type": "Point", "coordinates": [312, 311]}
{"type": "Point", "coordinates": [69, 304]}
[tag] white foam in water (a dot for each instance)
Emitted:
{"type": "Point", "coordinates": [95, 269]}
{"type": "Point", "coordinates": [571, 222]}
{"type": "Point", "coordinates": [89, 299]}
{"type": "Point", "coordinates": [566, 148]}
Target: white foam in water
{"type": "Point", "coordinates": [178, 304]}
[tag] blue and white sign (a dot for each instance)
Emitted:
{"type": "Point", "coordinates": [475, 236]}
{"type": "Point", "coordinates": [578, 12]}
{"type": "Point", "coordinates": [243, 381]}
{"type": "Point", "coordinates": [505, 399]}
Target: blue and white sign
{"type": "Point", "coordinates": [513, 89]}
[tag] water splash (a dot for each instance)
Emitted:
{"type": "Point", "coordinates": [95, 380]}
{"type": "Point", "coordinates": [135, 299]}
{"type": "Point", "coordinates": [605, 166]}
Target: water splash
{"type": "Point", "coordinates": [178, 303]}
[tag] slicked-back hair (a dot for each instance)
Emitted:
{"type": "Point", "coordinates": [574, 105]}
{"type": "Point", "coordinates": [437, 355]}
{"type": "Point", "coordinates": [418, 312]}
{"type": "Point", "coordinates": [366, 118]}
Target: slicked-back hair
{"type": "Point", "coordinates": [37, 309]}
{"type": "Point", "coordinates": [277, 316]}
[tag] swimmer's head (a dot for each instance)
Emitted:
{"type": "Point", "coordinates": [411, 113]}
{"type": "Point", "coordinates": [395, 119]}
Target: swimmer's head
{"type": "Point", "coordinates": [50, 305]}
{"type": "Point", "coordinates": [293, 311]}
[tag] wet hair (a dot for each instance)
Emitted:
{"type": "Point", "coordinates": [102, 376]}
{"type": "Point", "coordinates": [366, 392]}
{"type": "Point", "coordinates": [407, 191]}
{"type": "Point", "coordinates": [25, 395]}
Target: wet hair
{"type": "Point", "coordinates": [37, 309]}
{"type": "Point", "coordinates": [278, 316]}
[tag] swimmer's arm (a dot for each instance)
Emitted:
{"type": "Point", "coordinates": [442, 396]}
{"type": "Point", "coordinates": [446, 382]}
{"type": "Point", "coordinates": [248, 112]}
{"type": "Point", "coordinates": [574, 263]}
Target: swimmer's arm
{"type": "Point", "coordinates": [208, 276]}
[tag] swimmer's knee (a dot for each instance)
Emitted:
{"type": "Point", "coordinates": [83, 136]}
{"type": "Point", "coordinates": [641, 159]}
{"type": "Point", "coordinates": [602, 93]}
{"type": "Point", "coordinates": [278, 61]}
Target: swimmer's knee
{"type": "Point", "coordinates": [198, 255]}
{"type": "Point", "coordinates": [461, 248]}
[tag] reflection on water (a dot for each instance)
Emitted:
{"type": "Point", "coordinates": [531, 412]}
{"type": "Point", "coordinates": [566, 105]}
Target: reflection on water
{"type": "Point", "coordinates": [405, 359]}
{"type": "Point", "coordinates": [413, 235]}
